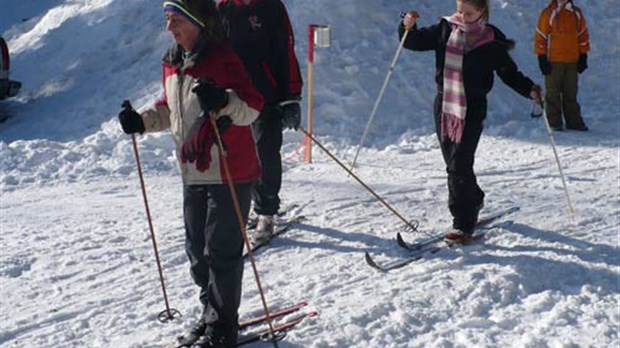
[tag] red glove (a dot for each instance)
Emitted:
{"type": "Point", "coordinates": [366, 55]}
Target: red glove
{"type": "Point", "coordinates": [197, 147]}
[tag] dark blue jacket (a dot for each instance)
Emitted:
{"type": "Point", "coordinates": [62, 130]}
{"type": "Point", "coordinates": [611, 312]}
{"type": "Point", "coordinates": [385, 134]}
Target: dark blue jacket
{"type": "Point", "coordinates": [261, 34]}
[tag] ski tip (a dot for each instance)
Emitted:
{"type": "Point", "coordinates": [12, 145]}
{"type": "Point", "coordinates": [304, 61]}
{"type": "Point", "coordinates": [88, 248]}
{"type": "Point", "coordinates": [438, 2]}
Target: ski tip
{"type": "Point", "coordinates": [514, 209]}
{"type": "Point", "coordinates": [401, 241]}
{"type": "Point", "coordinates": [371, 262]}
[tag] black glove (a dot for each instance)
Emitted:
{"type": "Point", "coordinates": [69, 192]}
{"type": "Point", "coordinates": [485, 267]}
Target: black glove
{"type": "Point", "coordinates": [210, 96]}
{"type": "Point", "coordinates": [582, 64]}
{"type": "Point", "coordinates": [131, 121]}
{"type": "Point", "coordinates": [291, 115]}
{"type": "Point", "coordinates": [544, 65]}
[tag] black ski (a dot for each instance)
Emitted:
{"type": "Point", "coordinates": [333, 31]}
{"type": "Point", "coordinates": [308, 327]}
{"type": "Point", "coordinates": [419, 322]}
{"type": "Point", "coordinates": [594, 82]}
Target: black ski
{"type": "Point", "coordinates": [428, 249]}
{"type": "Point", "coordinates": [400, 262]}
{"type": "Point", "coordinates": [281, 227]}
{"type": "Point", "coordinates": [417, 250]}
{"type": "Point", "coordinates": [439, 237]}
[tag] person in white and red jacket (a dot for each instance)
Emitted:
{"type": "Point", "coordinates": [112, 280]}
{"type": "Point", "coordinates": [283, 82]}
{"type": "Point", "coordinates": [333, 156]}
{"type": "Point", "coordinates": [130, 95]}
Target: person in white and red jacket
{"type": "Point", "coordinates": [204, 78]}
{"type": "Point", "coordinates": [260, 32]}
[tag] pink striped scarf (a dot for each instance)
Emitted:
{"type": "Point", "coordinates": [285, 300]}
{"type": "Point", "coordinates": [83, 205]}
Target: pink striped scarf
{"type": "Point", "coordinates": [454, 105]}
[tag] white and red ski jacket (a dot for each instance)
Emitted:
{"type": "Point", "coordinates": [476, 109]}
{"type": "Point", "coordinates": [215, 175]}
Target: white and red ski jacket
{"type": "Point", "coordinates": [179, 111]}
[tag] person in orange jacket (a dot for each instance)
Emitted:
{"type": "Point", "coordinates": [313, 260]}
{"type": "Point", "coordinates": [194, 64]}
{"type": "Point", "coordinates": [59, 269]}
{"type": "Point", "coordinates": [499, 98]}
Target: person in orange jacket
{"type": "Point", "coordinates": [562, 45]}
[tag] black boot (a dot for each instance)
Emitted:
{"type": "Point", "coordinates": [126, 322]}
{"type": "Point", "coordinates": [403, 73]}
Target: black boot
{"type": "Point", "coordinates": [203, 342]}
{"type": "Point", "coordinates": [218, 336]}
{"type": "Point", "coordinates": [193, 334]}
{"type": "Point", "coordinates": [208, 341]}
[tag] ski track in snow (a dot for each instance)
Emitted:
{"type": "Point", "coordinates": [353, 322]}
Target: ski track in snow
{"type": "Point", "coordinates": [83, 270]}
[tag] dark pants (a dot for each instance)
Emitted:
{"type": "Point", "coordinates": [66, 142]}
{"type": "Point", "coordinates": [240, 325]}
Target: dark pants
{"type": "Point", "coordinates": [561, 96]}
{"type": "Point", "coordinates": [465, 196]}
{"type": "Point", "coordinates": [214, 246]}
{"type": "Point", "coordinates": [267, 131]}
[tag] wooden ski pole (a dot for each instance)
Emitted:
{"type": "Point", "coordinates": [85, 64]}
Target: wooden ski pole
{"type": "Point", "coordinates": [168, 314]}
{"type": "Point", "coordinates": [233, 192]}
{"type": "Point", "coordinates": [409, 225]}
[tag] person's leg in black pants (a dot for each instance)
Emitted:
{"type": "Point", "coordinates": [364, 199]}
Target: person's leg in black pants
{"type": "Point", "coordinates": [465, 198]}
{"type": "Point", "coordinates": [267, 130]}
{"type": "Point", "coordinates": [220, 262]}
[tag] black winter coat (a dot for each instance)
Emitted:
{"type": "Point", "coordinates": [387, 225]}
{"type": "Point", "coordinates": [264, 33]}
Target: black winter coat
{"type": "Point", "coordinates": [261, 34]}
{"type": "Point", "coordinates": [478, 64]}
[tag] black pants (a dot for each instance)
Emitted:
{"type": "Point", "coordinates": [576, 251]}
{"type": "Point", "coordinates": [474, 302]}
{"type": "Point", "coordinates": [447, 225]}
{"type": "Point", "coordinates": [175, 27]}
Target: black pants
{"type": "Point", "coordinates": [267, 130]}
{"type": "Point", "coordinates": [465, 196]}
{"type": "Point", "coordinates": [214, 246]}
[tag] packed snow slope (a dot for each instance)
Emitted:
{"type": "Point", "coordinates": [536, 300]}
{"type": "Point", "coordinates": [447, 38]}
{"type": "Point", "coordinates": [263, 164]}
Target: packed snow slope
{"type": "Point", "coordinates": [76, 262]}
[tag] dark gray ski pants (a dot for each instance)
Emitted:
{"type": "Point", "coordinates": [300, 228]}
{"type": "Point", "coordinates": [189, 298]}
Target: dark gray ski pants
{"type": "Point", "coordinates": [214, 246]}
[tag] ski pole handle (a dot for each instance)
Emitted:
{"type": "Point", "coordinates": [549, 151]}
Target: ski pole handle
{"type": "Point", "coordinates": [413, 14]}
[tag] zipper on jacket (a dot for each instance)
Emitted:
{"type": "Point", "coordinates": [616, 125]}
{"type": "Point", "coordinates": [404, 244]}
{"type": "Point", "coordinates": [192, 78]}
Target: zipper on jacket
{"type": "Point", "coordinates": [180, 103]}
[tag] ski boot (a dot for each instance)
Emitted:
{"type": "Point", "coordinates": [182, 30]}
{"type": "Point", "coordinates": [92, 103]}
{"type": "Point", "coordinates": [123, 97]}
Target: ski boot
{"type": "Point", "coordinates": [264, 229]}
{"type": "Point", "coordinates": [193, 335]}
{"type": "Point", "coordinates": [458, 237]}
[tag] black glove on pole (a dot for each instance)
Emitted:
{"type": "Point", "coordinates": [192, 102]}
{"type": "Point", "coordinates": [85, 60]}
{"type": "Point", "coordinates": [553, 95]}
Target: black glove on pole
{"type": "Point", "coordinates": [291, 115]}
{"type": "Point", "coordinates": [210, 96]}
{"type": "Point", "coordinates": [131, 121]}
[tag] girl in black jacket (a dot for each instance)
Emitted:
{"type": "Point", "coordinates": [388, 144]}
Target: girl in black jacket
{"type": "Point", "coordinates": [468, 51]}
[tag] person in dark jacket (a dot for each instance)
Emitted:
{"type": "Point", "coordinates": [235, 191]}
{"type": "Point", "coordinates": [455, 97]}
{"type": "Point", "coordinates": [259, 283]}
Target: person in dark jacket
{"type": "Point", "coordinates": [468, 51]}
{"type": "Point", "coordinates": [261, 34]}
{"type": "Point", "coordinates": [204, 79]}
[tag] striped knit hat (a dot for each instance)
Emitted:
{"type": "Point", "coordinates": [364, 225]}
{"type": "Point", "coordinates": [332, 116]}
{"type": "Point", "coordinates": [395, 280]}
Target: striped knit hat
{"type": "Point", "coordinates": [194, 10]}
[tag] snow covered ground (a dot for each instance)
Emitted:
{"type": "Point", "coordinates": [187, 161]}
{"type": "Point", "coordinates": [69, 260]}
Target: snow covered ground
{"type": "Point", "coordinates": [76, 262]}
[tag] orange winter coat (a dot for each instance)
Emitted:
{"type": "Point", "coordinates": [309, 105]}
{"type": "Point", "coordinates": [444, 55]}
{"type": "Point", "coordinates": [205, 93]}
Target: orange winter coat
{"type": "Point", "coordinates": [562, 33]}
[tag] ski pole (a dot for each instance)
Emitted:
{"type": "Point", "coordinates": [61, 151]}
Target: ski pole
{"type": "Point", "coordinates": [571, 211]}
{"type": "Point", "coordinates": [381, 92]}
{"type": "Point", "coordinates": [244, 234]}
{"type": "Point", "coordinates": [169, 313]}
{"type": "Point", "coordinates": [409, 225]}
